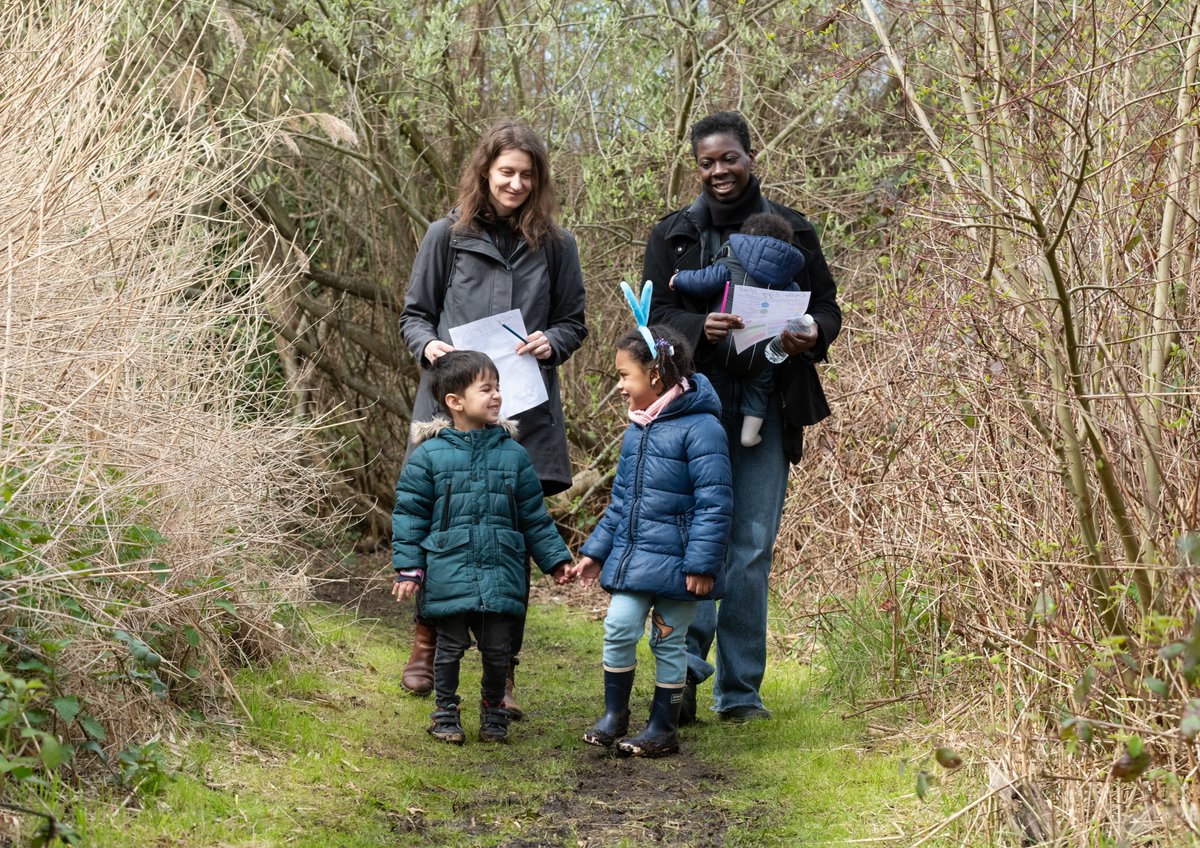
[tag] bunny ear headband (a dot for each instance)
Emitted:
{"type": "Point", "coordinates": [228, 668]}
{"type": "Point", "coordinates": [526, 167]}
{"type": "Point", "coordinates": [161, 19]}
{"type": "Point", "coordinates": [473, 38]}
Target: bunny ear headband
{"type": "Point", "coordinates": [641, 311]}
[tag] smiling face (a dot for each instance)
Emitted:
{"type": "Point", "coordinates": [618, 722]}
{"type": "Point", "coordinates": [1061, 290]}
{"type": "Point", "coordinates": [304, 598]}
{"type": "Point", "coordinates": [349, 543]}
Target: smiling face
{"type": "Point", "coordinates": [724, 165]}
{"type": "Point", "coordinates": [639, 385]}
{"type": "Point", "coordinates": [510, 180]}
{"type": "Point", "coordinates": [478, 405]}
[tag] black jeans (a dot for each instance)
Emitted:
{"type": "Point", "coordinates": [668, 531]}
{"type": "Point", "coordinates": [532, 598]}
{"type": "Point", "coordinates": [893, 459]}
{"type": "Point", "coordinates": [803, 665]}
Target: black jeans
{"type": "Point", "coordinates": [516, 637]}
{"type": "Point", "coordinates": [493, 635]}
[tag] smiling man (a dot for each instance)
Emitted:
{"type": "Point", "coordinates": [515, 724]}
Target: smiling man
{"type": "Point", "coordinates": [689, 239]}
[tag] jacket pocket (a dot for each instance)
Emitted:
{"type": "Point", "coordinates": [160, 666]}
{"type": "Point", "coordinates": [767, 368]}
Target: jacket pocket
{"type": "Point", "coordinates": [684, 522]}
{"type": "Point", "coordinates": [448, 565]}
{"type": "Point", "coordinates": [511, 547]}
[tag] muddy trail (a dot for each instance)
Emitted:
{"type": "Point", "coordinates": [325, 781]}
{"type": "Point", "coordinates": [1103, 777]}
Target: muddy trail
{"type": "Point", "coordinates": [609, 800]}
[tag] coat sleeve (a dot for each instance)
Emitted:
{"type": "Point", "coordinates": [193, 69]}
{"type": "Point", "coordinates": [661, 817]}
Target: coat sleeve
{"type": "Point", "coordinates": [412, 515]}
{"type": "Point", "coordinates": [600, 543]}
{"type": "Point", "coordinates": [816, 278]}
{"type": "Point", "coordinates": [426, 291]}
{"type": "Point", "coordinates": [542, 540]}
{"type": "Point", "coordinates": [566, 329]}
{"type": "Point", "coordinates": [712, 487]}
{"type": "Point", "coordinates": [705, 283]}
{"type": "Point", "coordinates": [666, 305]}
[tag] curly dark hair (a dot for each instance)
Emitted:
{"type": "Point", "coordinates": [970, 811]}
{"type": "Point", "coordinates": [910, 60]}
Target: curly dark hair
{"type": "Point", "coordinates": [672, 356]}
{"type": "Point", "coordinates": [721, 123]}
{"type": "Point", "coordinates": [768, 224]}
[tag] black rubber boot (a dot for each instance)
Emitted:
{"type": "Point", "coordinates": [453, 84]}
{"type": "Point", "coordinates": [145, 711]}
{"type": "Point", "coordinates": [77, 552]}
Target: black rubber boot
{"type": "Point", "coordinates": [493, 722]}
{"type": "Point", "coordinates": [446, 725]}
{"type": "Point", "coordinates": [687, 707]}
{"type": "Point", "coordinates": [615, 722]}
{"type": "Point", "coordinates": [659, 738]}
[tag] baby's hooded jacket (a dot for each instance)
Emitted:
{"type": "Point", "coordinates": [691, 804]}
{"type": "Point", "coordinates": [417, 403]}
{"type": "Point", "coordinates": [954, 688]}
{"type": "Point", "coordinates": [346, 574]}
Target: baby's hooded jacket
{"type": "Point", "coordinates": [468, 510]}
{"type": "Point", "coordinates": [672, 499]}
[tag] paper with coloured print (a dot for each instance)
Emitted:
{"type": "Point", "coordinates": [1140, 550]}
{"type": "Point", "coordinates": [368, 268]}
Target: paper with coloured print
{"type": "Point", "coordinates": [521, 383]}
{"type": "Point", "coordinates": [764, 312]}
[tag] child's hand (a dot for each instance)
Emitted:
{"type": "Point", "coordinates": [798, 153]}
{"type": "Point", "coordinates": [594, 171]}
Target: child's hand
{"type": "Point", "coordinates": [671, 283]}
{"type": "Point", "coordinates": [402, 589]}
{"type": "Point", "coordinates": [586, 571]}
{"type": "Point", "coordinates": [699, 584]}
{"type": "Point", "coordinates": [562, 574]}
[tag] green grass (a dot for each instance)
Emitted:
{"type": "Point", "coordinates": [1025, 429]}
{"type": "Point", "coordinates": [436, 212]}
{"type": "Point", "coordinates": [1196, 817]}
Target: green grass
{"type": "Point", "coordinates": [337, 755]}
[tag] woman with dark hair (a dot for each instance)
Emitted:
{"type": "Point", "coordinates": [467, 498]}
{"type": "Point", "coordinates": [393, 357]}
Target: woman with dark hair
{"type": "Point", "coordinates": [499, 249]}
{"type": "Point", "coordinates": [689, 239]}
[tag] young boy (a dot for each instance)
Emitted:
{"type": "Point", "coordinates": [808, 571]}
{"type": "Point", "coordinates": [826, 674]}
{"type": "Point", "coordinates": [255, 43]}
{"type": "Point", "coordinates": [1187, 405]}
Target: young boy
{"type": "Point", "coordinates": [468, 511]}
{"type": "Point", "coordinates": [762, 256]}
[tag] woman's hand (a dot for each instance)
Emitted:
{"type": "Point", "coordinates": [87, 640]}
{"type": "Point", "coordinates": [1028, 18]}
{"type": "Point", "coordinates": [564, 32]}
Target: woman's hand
{"type": "Point", "coordinates": [699, 584]}
{"type": "Point", "coordinates": [537, 344]}
{"type": "Point", "coordinates": [800, 342]}
{"type": "Point", "coordinates": [402, 589]}
{"type": "Point", "coordinates": [718, 324]}
{"type": "Point", "coordinates": [585, 571]}
{"type": "Point", "coordinates": [435, 350]}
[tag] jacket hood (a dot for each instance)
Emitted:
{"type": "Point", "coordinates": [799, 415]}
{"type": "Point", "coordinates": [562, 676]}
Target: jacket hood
{"type": "Point", "coordinates": [770, 261]}
{"type": "Point", "coordinates": [699, 398]}
{"type": "Point", "coordinates": [425, 430]}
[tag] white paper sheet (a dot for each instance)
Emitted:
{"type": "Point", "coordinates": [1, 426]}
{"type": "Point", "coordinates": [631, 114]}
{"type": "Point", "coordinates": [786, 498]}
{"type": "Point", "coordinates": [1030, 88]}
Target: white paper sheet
{"type": "Point", "coordinates": [764, 312]}
{"type": "Point", "coordinates": [521, 384]}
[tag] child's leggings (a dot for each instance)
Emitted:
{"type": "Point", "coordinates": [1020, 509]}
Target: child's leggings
{"type": "Point", "coordinates": [625, 623]}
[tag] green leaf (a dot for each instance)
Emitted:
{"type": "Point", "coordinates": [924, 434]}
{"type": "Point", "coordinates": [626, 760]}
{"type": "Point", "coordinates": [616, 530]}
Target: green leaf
{"type": "Point", "coordinates": [1131, 766]}
{"type": "Point", "coordinates": [947, 758]}
{"type": "Point", "coordinates": [52, 752]}
{"type": "Point", "coordinates": [93, 728]}
{"type": "Point", "coordinates": [1169, 652]}
{"type": "Point", "coordinates": [1189, 726]}
{"type": "Point", "coordinates": [67, 708]}
{"type": "Point", "coordinates": [1135, 746]}
{"type": "Point", "coordinates": [1043, 605]}
{"type": "Point", "coordinates": [1155, 685]}
{"type": "Point", "coordinates": [192, 636]}
{"type": "Point", "coordinates": [1083, 686]}
{"type": "Point", "coordinates": [225, 605]}
{"type": "Point", "coordinates": [922, 784]}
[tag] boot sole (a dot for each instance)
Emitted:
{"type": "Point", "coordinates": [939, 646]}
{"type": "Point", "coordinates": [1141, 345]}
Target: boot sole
{"type": "Point", "coordinates": [496, 739]}
{"type": "Point", "coordinates": [600, 741]}
{"type": "Point", "coordinates": [420, 693]}
{"type": "Point", "coordinates": [448, 738]}
{"type": "Point", "coordinates": [647, 753]}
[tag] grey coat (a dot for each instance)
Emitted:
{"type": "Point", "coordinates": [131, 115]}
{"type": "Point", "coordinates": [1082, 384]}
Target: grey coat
{"type": "Point", "coordinates": [462, 277]}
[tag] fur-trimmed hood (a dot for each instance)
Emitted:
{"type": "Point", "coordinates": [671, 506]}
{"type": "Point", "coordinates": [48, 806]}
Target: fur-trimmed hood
{"type": "Point", "coordinates": [422, 431]}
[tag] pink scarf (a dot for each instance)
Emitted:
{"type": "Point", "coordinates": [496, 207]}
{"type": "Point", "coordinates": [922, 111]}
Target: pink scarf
{"type": "Point", "coordinates": [645, 416]}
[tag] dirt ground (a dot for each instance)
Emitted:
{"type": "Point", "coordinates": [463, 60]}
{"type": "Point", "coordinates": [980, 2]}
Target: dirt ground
{"type": "Point", "coordinates": [656, 802]}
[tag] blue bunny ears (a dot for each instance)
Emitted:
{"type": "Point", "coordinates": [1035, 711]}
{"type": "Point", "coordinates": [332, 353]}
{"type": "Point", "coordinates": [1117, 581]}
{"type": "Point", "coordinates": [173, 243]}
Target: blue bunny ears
{"type": "Point", "coordinates": [641, 310]}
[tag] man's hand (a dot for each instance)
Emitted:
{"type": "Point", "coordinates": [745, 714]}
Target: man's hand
{"type": "Point", "coordinates": [586, 571]}
{"type": "Point", "coordinates": [800, 342]}
{"type": "Point", "coordinates": [435, 350]}
{"type": "Point", "coordinates": [537, 344]}
{"type": "Point", "coordinates": [699, 584]}
{"type": "Point", "coordinates": [718, 324]}
{"type": "Point", "coordinates": [402, 589]}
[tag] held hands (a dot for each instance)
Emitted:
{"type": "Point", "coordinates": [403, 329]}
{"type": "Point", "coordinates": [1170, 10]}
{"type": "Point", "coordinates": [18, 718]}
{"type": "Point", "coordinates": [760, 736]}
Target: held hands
{"type": "Point", "coordinates": [585, 571]}
{"type": "Point", "coordinates": [435, 350]}
{"type": "Point", "coordinates": [561, 574]}
{"type": "Point", "coordinates": [718, 324]}
{"type": "Point", "coordinates": [537, 344]}
{"type": "Point", "coordinates": [404, 589]}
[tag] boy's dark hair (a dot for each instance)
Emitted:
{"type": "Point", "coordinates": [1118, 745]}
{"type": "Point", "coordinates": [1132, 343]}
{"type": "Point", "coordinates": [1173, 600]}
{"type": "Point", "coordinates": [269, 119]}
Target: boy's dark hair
{"type": "Point", "coordinates": [671, 355]}
{"type": "Point", "coordinates": [721, 123]}
{"type": "Point", "coordinates": [453, 373]}
{"type": "Point", "coordinates": [768, 224]}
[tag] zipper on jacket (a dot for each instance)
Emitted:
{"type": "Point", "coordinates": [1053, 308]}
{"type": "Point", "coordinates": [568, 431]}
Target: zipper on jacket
{"type": "Point", "coordinates": [619, 577]}
{"type": "Point", "coordinates": [512, 505]}
{"type": "Point", "coordinates": [446, 509]}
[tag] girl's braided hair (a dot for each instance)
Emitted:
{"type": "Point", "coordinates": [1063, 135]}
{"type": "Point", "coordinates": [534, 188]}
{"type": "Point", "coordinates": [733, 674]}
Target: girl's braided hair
{"type": "Point", "coordinates": [671, 354]}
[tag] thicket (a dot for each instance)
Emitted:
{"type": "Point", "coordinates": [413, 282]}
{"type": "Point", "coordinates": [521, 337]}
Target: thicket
{"type": "Point", "coordinates": [997, 529]}
{"type": "Point", "coordinates": [154, 489]}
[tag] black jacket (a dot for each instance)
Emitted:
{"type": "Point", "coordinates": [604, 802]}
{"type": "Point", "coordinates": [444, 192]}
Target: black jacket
{"type": "Point", "coordinates": [686, 240]}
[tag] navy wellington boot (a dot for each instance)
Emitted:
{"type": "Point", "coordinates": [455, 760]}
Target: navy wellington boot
{"type": "Point", "coordinates": [615, 722]}
{"type": "Point", "coordinates": [659, 737]}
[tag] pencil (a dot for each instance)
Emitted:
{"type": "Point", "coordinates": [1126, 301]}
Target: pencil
{"type": "Point", "coordinates": [724, 296]}
{"type": "Point", "coordinates": [522, 339]}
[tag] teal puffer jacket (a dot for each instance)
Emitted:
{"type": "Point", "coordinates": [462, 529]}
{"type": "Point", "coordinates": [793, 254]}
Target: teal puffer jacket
{"type": "Point", "coordinates": [468, 510]}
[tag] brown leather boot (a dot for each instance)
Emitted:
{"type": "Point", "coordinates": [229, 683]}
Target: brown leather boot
{"type": "Point", "coordinates": [417, 676]}
{"type": "Point", "coordinates": [508, 703]}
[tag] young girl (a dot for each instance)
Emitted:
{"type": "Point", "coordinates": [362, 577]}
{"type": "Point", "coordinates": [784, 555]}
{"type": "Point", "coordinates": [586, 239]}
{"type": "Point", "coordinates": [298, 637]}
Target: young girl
{"type": "Point", "coordinates": [660, 544]}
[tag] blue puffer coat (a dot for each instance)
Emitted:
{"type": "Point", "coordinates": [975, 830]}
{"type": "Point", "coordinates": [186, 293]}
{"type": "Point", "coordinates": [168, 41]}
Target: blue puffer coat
{"type": "Point", "coordinates": [759, 261]}
{"type": "Point", "coordinates": [468, 509]}
{"type": "Point", "coordinates": [671, 502]}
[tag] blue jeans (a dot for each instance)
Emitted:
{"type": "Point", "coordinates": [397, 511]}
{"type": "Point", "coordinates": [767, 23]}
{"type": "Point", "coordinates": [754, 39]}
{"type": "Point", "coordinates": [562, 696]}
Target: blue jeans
{"type": "Point", "coordinates": [739, 621]}
{"type": "Point", "coordinates": [625, 623]}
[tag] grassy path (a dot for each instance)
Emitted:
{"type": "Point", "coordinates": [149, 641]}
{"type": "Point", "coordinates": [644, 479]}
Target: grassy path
{"type": "Point", "coordinates": [336, 755]}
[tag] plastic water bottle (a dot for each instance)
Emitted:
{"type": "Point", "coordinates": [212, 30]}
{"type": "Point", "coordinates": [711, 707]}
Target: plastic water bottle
{"type": "Point", "coordinates": [774, 351]}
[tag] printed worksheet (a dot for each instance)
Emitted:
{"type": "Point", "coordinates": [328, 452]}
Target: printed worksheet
{"type": "Point", "coordinates": [764, 312]}
{"type": "Point", "coordinates": [521, 384]}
